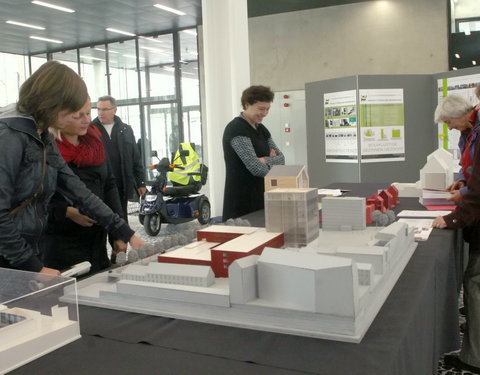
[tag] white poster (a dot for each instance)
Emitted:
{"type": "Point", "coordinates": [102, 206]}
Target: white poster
{"type": "Point", "coordinates": [382, 125]}
{"type": "Point", "coordinates": [340, 114]}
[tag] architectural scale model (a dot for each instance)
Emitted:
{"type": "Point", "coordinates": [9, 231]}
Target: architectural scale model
{"type": "Point", "coordinates": [286, 176]}
{"type": "Point", "coordinates": [343, 213]}
{"type": "Point", "coordinates": [331, 289]}
{"type": "Point", "coordinates": [27, 334]}
{"type": "Point", "coordinates": [436, 174]}
{"type": "Point", "coordinates": [33, 320]}
{"type": "Point", "coordinates": [293, 212]}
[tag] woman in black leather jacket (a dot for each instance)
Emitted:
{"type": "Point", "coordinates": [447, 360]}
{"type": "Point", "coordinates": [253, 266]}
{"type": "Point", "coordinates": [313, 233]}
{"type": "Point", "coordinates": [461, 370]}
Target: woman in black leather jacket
{"type": "Point", "coordinates": [31, 168]}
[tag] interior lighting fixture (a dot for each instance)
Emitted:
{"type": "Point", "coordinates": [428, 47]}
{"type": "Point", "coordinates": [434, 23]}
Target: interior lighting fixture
{"type": "Point", "coordinates": [53, 6]}
{"type": "Point", "coordinates": [24, 25]}
{"type": "Point", "coordinates": [46, 39]}
{"type": "Point", "coordinates": [119, 31]}
{"type": "Point", "coordinates": [155, 50]}
{"type": "Point", "coordinates": [134, 57]}
{"type": "Point", "coordinates": [104, 50]}
{"type": "Point", "coordinates": [92, 58]}
{"type": "Point", "coordinates": [151, 39]}
{"type": "Point", "coordinates": [171, 10]}
{"type": "Point", "coordinates": [457, 55]}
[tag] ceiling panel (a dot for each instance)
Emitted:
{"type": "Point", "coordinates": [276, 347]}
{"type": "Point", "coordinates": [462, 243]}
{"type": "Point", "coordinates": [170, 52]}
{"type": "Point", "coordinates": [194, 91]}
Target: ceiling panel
{"type": "Point", "coordinates": [87, 25]}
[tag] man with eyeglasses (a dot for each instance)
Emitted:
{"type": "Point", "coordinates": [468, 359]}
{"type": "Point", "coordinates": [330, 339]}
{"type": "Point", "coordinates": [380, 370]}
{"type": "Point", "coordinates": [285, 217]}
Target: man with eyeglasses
{"type": "Point", "coordinates": [119, 142]}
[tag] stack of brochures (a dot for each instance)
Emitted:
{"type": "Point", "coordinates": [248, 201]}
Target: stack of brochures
{"type": "Point", "coordinates": [435, 198]}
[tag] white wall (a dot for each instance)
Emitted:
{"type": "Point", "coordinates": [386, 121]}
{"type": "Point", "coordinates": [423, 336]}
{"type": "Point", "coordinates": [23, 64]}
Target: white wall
{"type": "Point", "coordinates": [466, 8]}
{"type": "Point", "coordinates": [293, 142]}
{"type": "Point", "coordinates": [376, 37]}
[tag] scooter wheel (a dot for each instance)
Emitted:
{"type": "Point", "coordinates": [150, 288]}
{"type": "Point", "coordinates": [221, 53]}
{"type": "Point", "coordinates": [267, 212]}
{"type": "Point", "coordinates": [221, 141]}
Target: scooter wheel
{"type": "Point", "coordinates": [152, 224]}
{"type": "Point", "coordinates": [204, 210]}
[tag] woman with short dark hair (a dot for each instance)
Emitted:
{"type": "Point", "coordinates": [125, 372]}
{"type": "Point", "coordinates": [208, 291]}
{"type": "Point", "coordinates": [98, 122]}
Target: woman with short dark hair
{"type": "Point", "coordinates": [249, 153]}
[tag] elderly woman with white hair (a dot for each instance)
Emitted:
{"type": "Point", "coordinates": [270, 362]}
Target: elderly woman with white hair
{"type": "Point", "coordinates": [458, 113]}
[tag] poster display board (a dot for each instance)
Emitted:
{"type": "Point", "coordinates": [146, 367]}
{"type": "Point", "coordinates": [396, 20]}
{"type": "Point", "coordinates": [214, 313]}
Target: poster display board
{"type": "Point", "coordinates": [382, 125]}
{"type": "Point", "coordinates": [340, 114]}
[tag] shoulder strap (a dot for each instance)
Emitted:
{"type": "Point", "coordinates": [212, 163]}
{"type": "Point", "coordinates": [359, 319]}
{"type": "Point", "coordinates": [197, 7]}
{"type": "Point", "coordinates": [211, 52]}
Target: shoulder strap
{"type": "Point", "coordinates": [38, 190]}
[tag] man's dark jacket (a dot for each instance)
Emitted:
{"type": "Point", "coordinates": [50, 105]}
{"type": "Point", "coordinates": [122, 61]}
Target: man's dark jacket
{"type": "Point", "coordinates": [124, 156]}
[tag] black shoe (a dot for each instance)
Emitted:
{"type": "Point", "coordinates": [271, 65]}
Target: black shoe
{"type": "Point", "coordinates": [453, 361]}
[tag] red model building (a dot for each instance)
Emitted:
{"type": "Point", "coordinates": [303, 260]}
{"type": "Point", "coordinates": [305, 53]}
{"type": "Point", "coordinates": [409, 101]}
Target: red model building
{"type": "Point", "coordinates": [219, 245]}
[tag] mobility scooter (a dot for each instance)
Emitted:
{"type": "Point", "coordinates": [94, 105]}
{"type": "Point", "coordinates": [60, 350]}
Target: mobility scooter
{"type": "Point", "coordinates": [181, 202]}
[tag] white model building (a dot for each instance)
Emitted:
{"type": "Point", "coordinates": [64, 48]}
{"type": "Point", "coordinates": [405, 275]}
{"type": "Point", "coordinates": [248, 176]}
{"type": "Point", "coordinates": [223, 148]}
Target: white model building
{"type": "Point", "coordinates": [286, 176]}
{"type": "Point", "coordinates": [293, 211]}
{"type": "Point", "coordinates": [170, 274]}
{"type": "Point", "coordinates": [343, 213]}
{"type": "Point", "coordinates": [303, 281]}
{"type": "Point", "coordinates": [27, 334]}
{"type": "Point", "coordinates": [437, 173]}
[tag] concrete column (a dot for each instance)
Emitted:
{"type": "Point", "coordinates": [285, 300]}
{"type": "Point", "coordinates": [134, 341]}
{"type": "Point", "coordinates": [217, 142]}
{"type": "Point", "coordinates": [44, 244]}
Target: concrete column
{"type": "Point", "coordinates": [227, 73]}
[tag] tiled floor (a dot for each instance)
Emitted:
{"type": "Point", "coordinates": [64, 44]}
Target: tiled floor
{"type": "Point", "coordinates": [442, 370]}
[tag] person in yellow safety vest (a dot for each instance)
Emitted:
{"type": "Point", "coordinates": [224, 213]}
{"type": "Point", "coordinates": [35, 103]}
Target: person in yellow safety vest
{"type": "Point", "coordinates": [189, 164]}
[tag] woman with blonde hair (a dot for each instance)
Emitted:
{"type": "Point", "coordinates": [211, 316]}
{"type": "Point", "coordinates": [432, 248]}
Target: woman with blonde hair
{"type": "Point", "coordinates": [72, 237]}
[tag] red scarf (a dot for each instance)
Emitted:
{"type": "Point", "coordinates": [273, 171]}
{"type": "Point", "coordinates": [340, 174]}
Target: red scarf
{"type": "Point", "coordinates": [88, 153]}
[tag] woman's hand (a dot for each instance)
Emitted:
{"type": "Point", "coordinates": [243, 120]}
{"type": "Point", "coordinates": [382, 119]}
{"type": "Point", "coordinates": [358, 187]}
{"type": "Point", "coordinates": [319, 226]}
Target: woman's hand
{"type": "Point", "coordinates": [119, 246]}
{"type": "Point", "coordinates": [50, 271]}
{"type": "Point", "coordinates": [75, 215]}
{"type": "Point", "coordinates": [456, 185]}
{"type": "Point", "coordinates": [455, 196]}
{"type": "Point", "coordinates": [439, 222]}
{"type": "Point", "coordinates": [136, 242]}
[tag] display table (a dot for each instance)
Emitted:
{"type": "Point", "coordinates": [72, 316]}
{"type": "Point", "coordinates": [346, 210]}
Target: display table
{"type": "Point", "coordinates": [417, 324]}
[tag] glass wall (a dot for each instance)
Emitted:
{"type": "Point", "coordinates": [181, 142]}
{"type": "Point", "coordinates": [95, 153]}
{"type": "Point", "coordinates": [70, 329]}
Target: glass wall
{"type": "Point", "coordinates": [13, 70]}
{"type": "Point", "coordinates": [93, 70]}
{"type": "Point", "coordinates": [464, 43]}
{"type": "Point", "coordinates": [123, 73]}
{"type": "Point", "coordinates": [157, 68]}
{"type": "Point", "coordinates": [37, 61]}
{"type": "Point", "coordinates": [157, 89]}
{"type": "Point", "coordinates": [69, 58]}
{"type": "Point", "coordinates": [192, 125]}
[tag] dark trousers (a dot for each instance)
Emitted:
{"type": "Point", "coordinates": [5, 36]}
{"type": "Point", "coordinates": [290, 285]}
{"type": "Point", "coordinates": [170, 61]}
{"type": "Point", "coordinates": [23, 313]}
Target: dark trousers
{"type": "Point", "coordinates": [470, 352]}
